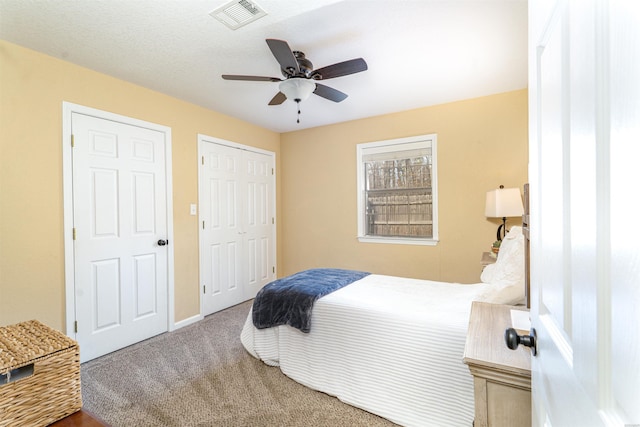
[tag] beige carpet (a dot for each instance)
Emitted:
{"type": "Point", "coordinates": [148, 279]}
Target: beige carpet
{"type": "Point", "coordinates": [200, 375]}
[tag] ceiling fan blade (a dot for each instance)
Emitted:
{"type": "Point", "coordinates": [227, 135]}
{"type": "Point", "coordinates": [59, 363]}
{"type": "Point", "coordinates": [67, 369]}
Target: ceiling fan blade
{"type": "Point", "coordinates": [284, 55]}
{"type": "Point", "coordinates": [278, 99]}
{"type": "Point", "coordinates": [330, 93]}
{"type": "Point", "coordinates": [250, 78]}
{"type": "Point", "coordinates": [342, 69]}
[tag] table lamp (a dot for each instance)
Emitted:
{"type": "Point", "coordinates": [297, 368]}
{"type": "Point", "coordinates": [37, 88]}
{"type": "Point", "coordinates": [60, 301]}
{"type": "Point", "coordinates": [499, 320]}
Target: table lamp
{"type": "Point", "coordinates": [503, 203]}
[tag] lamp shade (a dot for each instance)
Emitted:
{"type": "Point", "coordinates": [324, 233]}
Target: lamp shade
{"type": "Point", "coordinates": [297, 88]}
{"type": "Point", "coordinates": [503, 202]}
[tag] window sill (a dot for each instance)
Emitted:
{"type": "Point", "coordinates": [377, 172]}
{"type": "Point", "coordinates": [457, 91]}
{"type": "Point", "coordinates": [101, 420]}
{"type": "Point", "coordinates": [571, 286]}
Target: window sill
{"type": "Point", "coordinates": [398, 240]}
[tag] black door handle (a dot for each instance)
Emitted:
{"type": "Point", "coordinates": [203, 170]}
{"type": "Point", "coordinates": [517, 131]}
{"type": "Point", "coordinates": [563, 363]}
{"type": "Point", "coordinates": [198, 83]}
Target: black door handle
{"type": "Point", "coordinates": [512, 339]}
{"type": "Point", "coordinates": [163, 242]}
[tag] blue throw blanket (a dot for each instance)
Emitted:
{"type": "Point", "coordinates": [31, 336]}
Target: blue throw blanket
{"type": "Point", "coordinates": [289, 301]}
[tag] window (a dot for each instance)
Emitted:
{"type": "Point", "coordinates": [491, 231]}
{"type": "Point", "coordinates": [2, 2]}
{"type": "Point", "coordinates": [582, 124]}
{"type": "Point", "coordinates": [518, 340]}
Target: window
{"type": "Point", "coordinates": [397, 191]}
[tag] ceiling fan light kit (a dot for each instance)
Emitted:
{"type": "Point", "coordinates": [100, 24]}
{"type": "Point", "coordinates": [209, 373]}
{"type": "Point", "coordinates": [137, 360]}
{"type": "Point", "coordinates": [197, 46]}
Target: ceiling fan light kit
{"type": "Point", "coordinates": [300, 77]}
{"type": "Point", "coordinates": [297, 89]}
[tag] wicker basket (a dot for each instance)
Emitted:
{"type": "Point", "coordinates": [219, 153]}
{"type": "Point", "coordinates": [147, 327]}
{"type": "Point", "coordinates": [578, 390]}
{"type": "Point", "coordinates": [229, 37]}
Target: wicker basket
{"type": "Point", "coordinates": [39, 375]}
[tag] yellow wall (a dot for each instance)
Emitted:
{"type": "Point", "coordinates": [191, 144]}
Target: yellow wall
{"type": "Point", "coordinates": [482, 143]}
{"type": "Point", "coordinates": [33, 87]}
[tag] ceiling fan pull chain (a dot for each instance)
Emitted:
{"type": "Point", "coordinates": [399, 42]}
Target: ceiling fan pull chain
{"type": "Point", "coordinates": [298, 104]}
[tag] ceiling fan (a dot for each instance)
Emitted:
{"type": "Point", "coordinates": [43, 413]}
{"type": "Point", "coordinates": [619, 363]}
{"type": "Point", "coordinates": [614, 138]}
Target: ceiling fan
{"type": "Point", "coordinates": [300, 79]}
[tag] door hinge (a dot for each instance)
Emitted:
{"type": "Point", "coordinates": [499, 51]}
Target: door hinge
{"type": "Point", "coordinates": [202, 160]}
{"type": "Point", "coordinates": [204, 289]}
{"type": "Point", "coordinates": [273, 220]}
{"type": "Point", "coordinates": [75, 326]}
{"type": "Point", "coordinates": [203, 225]}
{"type": "Point", "coordinates": [271, 171]}
{"type": "Point", "coordinates": [73, 141]}
{"type": "Point", "coordinates": [74, 233]}
{"type": "Point", "coordinates": [273, 269]}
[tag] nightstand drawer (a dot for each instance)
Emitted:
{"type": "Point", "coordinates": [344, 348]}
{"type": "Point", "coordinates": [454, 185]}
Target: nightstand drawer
{"type": "Point", "coordinates": [502, 377]}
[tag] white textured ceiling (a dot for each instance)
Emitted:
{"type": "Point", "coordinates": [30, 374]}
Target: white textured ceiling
{"type": "Point", "coordinates": [419, 52]}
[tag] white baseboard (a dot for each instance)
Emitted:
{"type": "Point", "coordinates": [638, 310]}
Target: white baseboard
{"type": "Point", "coordinates": [188, 321]}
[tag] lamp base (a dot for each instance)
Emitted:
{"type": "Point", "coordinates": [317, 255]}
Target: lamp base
{"type": "Point", "coordinates": [502, 230]}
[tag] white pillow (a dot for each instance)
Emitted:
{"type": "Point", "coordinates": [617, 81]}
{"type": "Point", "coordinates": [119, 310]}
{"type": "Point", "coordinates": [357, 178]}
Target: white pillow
{"type": "Point", "coordinates": [507, 274]}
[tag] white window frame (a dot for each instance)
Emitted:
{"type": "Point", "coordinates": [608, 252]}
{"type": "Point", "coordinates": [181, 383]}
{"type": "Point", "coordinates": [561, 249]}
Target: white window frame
{"type": "Point", "coordinates": [388, 146]}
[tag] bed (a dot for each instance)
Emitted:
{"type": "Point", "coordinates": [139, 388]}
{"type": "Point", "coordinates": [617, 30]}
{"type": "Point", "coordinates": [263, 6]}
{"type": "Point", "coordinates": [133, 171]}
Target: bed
{"type": "Point", "coordinates": [392, 346]}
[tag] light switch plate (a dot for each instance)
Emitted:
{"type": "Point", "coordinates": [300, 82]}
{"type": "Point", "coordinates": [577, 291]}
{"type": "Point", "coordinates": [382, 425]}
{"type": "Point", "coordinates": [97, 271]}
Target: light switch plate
{"type": "Point", "coordinates": [193, 209]}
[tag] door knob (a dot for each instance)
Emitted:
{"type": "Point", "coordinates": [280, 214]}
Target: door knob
{"type": "Point", "coordinates": [512, 339]}
{"type": "Point", "coordinates": [163, 242]}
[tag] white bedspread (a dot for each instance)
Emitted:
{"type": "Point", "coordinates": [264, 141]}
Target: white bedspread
{"type": "Point", "coordinates": [392, 346]}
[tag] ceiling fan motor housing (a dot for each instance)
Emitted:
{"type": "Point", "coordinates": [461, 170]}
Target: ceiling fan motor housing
{"type": "Point", "coordinates": [306, 67]}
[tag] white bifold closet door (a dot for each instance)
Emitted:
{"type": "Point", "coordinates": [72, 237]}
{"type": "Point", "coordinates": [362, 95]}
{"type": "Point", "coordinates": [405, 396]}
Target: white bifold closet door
{"type": "Point", "coordinates": [237, 223]}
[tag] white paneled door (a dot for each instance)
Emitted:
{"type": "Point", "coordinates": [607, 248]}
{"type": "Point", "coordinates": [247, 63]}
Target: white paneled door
{"type": "Point", "coordinates": [585, 264]}
{"type": "Point", "coordinates": [237, 223]}
{"type": "Point", "coordinates": [120, 232]}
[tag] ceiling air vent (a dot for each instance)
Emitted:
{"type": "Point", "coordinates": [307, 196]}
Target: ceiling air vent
{"type": "Point", "coordinates": [238, 13]}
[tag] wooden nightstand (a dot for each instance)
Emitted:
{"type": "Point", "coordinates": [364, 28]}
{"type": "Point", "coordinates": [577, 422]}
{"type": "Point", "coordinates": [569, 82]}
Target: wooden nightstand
{"type": "Point", "coordinates": [501, 377]}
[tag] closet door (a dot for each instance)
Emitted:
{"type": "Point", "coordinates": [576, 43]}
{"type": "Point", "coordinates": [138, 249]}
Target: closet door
{"type": "Point", "coordinates": [221, 235]}
{"type": "Point", "coordinates": [259, 222]}
{"type": "Point", "coordinates": [237, 224]}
